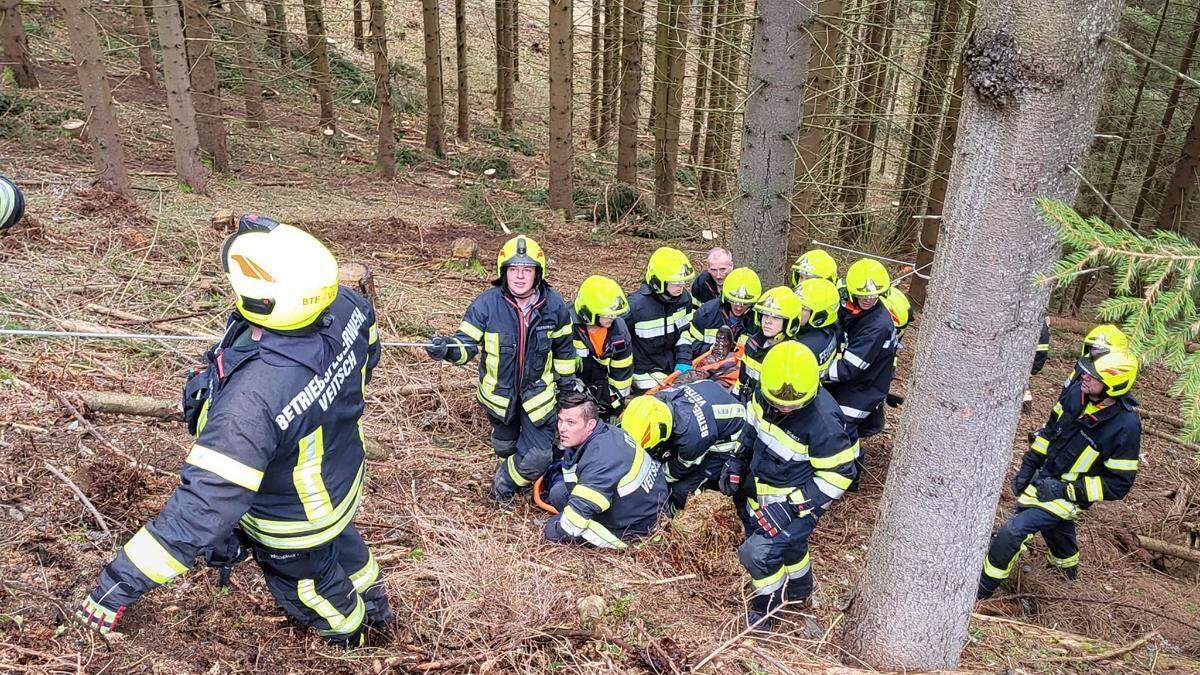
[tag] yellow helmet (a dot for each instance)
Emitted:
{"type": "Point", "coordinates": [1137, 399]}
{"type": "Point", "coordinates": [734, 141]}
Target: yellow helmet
{"type": "Point", "coordinates": [816, 263]}
{"type": "Point", "coordinates": [741, 287]}
{"type": "Point", "coordinates": [781, 302]}
{"type": "Point", "coordinates": [1117, 369]}
{"type": "Point", "coordinates": [867, 276]}
{"type": "Point", "coordinates": [668, 266]}
{"type": "Point", "coordinates": [600, 296]}
{"type": "Point", "coordinates": [897, 305]}
{"type": "Point", "coordinates": [789, 375]}
{"type": "Point", "coordinates": [821, 298]}
{"type": "Point", "coordinates": [1102, 339]}
{"type": "Point", "coordinates": [520, 250]}
{"type": "Point", "coordinates": [12, 203]}
{"type": "Point", "coordinates": [647, 420]}
{"type": "Point", "coordinates": [282, 276]}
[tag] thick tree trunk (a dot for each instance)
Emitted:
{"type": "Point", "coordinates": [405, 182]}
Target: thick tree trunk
{"type": "Point", "coordinates": [819, 99]}
{"type": "Point", "coordinates": [107, 153]}
{"type": "Point", "coordinates": [1149, 180]}
{"type": "Point", "coordinates": [514, 38]}
{"type": "Point", "coordinates": [356, 21]}
{"type": "Point", "coordinates": [767, 170]}
{"type": "Point", "coordinates": [666, 136]}
{"type": "Point", "coordinates": [141, 32]}
{"type": "Point", "coordinates": [16, 45]}
{"type": "Point", "coordinates": [240, 24]}
{"type": "Point", "coordinates": [188, 166]}
{"type": "Point", "coordinates": [504, 64]}
{"type": "Point", "coordinates": [860, 151]}
{"type": "Point", "coordinates": [926, 121]}
{"type": "Point", "coordinates": [435, 122]}
{"type": "Point", "coordinates": [704, 54]}
{"type": "Point", "coordinates": [460, 52]}
{"type": "Point", "coordinates": [717, 95]}
{"type": "Point", "coordinates": [206, 94]}
{"type": "Point", "coordinates": [318, 58]}
{"type": "Point", "coordinates": [632, 25]}
{"type": "Point", "coordinates": [277, 30]}
{"type": "Point", "coordinates": [1033, 72]}
{"type": "Point", "coordinates": [594, 57]}
{"type": "Point", "coordinates": [562, 51]}
{"type": "Point", "coordinates": [1183, 181]}
{"type": "Point", "coordinates": [385, 155]}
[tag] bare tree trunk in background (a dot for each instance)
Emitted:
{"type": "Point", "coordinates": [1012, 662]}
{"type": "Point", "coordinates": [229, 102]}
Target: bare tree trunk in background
{"type": "Point", "coordinates": [889, 83]}
{"type": "Point", "coordinates": [562, 51]}
{"type": "Point", "coordinates": [514, 38]}
{"type": "Point", "coordinates": [632, 24]}
{"type": "Point", "coordinates": [1033, 71]}
{"type": "Point", "coordinates": [318, 59]}
{"type": "Point", "coordinates": [460, 52]}
{"type": "Point", "coordinates": [243, 41]}
{"type": "Point", "coordinates": [277, 30]}
{"type": "Point", "coordinates": [141, 32]}
{"type": "Point", "coordinates": [927, 120]}
{"type": "Point", "coordinates": [820, 90]}
{"type": "Point", "coordinates": [188, 166]}
{"type": "Point", "coordinates": [767, 170]}
{"type": "Point", "coordinates": [356, 22]}
{"type": "Point", "coordinates": [1149, 180]}
{"type": "Point", "coordinates": [727, 100]}
{"type": "Point", "coordinates": [107, 153]}
{"type": "Point", "coordinates": [609, 69]}
{"type": "Point", "coordinates": [597, 28]}
{"type": "Point", "coordinates": [666, 130]}
{"type": "Point", "coordinates": [704, 54]}
{"type": "Point", "coordinates": [866, 110]}
{"type": "Point", "coordinates": [16, 45]}
{"type": "Point", "coordinates": [1183, 180]}
{"type": "Point", "coordinates": [435, 122]}
{"type": "Point", "coordinates": [505, 63]}
{"type": "Point", "coordinates": [717, 94]}
{"type": "Point", "coordinates": [385, 154]}
{"type": "Point", "coordinates": [206, 94]}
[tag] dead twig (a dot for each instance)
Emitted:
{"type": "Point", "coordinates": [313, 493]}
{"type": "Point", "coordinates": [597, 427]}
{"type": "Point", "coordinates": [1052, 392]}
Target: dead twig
{"type": "Point", "coordinates": [78, 493]}
{"type": "Point", "coordinates": [1094, 601]}
{"type": "Point", "coordinates": [95, 433]}
{"type": "Point", "coordinates": [1104, 656]}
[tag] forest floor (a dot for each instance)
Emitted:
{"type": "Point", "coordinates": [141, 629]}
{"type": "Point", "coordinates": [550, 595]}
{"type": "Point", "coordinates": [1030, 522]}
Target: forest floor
{"type": "Point", "coordinates": [473, 586]}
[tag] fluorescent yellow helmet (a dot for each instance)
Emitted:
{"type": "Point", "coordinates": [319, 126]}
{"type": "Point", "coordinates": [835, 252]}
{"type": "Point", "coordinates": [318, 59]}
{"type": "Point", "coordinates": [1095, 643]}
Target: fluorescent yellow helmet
{"type": "Point", "coordinates": [12, 203]}
{"type": "Point", "coordinates": [647, 420]}
{"type": "Point", "coordinates": [520, 250]}
{"type": "Point", "coordinates": [600, 296]}
{"type": "Point", "coordinates": [741, 287]}
{"type": "Point", "coordinates": [821, 298]}
{"type": "Point", "coordinates": [668, 266]}
{"type": "Point", "coordinates": [789, 375]}
{"type": "Point", "coordinates": [781, 302]}
{"type": "Point", "coordinates": [897, 305]}
{"type": "Point", "coordinates": [1103, 339]}
{"type": "Point", "coordinates": [1117, 369]}
{"type": "Point", "coordinates": [815, 263]}
{"type": "Point", "coordinates": [282, 277]}
{"type": "Point", "coordinates": [867, 276]}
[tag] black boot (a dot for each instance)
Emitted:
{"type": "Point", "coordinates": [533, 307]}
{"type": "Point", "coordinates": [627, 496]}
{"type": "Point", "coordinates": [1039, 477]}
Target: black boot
{"type": "Point", "coordinates": [760, 608]}
{"type": "Point", "coordinates": [798, 594]}
{"type": "Point", "coordinates": [987, 586]}
{"type": "Point", "coordinates": [1069, 573]}
{"type": "Point", "coordinates": [858, 473]}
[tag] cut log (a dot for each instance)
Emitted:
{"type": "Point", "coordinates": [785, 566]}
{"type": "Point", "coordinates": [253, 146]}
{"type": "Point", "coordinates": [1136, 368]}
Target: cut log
{"type": "Point", "coordinates": [1172, 438]}
{"type": "Point", "coordinates": [75, 129]}
{"type": "Point", "coordinates": [1167, 548]}
{"type": "Point", "coordinates": [119, 403]}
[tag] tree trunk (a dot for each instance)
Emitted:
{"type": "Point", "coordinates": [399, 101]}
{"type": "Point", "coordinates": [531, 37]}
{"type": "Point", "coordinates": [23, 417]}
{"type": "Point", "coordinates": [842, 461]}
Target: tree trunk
{"type": "Point", "coordinates": [460, 52]}
{"type": "Point", "coordinates": [717, 161]}
{"type": "Point", "coordinates": [866, 109]}
{"type": "Point", "coordinates": [717, 94]}
{"type": "Point", "coordinates": [356, 21]}
{"type": "Point", "coordinates": [514, 38]}
{"type": "Point", "coordinates": [318, 58]}
{"type": "Point", "coordinates": [819, 99]}
{"type": "Point", "coordinates": [107, 153]}
{"type": "Point", "coordinates": [385, 155]}
{"type": "Point", "coordinates": [611, 68]}
{"type": "Point", "coordinates": [1183, 181]}
{"type": "Point", "coordinates": [141, 31]}
{"type": "Point", "coordinates": [435, 123]}
{"type": "Point", "coordinates": [669, 104]}
{"type": "Point", "coordinates": [632, 25]}
{"type": "Point", "coordinates": [504, 64]}
{"type": "Point", "coordinates": [210, 123]}
{"type": "Point", "coordinates": [562, 51]}
{"type": "Point", "coordinates": [767, 170]}
{"type": "Point", "coordinates": [926, 121]}
{"type": "Point", "coordinates": [188, 166]}
{"type": "Point", "coordinates": [704, 50]}
{"type": "Point", "coordinates": [1149, 182]}
{"type": "Point", "coordinates": [277, 31]}
{"type": "Point", "coordinates": [594, 54]}
{"type": "Point", "coordinates": [1034, 73]}
{"type": "Point", "coordinates": [240, 24]}
{"type": "Point", "coordinates": [16, 45]}
{"type": "Point", "coordinates": [889, 82]}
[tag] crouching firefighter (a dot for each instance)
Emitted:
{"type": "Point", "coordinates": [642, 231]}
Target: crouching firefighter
{"type": "Point", "coordinates": [279, 446]}
{"type": "Point", "coordinates": [603, 350]}
{"type": "Point", "coordinates": [611, 491]}
{"type": "Point", "coordinates": [1087, 453]}
{"type": "Point", "coordinates": [794, 459]}
{"type": "Point", "coordinates": [523, 329]}
{"type": "Point", "coordinates": [692, 429]}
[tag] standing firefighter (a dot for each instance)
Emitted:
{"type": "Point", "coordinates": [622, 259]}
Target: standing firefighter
{"type": "Point", "coordinates": [603, 348]}
{"type": "Point", "coordinates": [659, 313]}
{"type": "Point", "coordinates": [819, 300]}
{"type": "Point", "coordinates": [1087, 453]}
{"type": "Point", "coordinates": [523, 329]}
{"type": "Point", "coordinates": [741, 290]}
{"type": "Point", "coordinates": [708, 284]}
{"type": "Point", "coordinates": [776, 318]}
{"type": "Point", "coordinates": [279, 445]}
{"type": "Point", "coordinates": [795, 458]}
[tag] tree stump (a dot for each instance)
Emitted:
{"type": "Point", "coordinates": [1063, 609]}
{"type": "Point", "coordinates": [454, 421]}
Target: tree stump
{"type": "Point", "coordinates": [359, 277]}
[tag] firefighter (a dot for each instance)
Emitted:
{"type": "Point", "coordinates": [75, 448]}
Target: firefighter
{"type": "Point", "coordinates": [793, 460]}
{"type": "Point", "coordinates": [899, 309]}
{"type": "Point", "coordinates": [691, 429]}
{"type": "Point", "coordinates": [603, 350]}
{"type": "Point", "coordinates": [611, 491]}
{"type": "Point", "coordinates": [279, 447]}
{"type": "Point", "coordinates": [815, 264]}
{"type": "Point", "coordinates": [1099, 341]}
{"type": "Point", "coordinates": [1087, 453]}
{"type": "Point", "coordinates": [860, 376]}
{"type": "Point", "coordinates": [819, 300]}
{"type": "Point", "coordinates": [776, 318]}
{"type": "Point", "coordinates": [708, 285]}
{"type": "Point", "coordinates": [1040, 355]}
{"type": "Point", "coordinates": [659, 313]}
{"type": "Point", "coordinates": [523, 328]}
{"type": "Point", "coordinates": [12, 203]}
{"type": "Point", "coordinates": [741, 290]}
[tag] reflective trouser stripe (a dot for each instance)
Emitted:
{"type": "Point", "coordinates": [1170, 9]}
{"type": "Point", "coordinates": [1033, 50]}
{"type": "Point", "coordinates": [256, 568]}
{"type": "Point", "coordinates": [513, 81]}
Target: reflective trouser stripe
{"type": "Point", "coordinates": [339, 624]}
{"type": "Point", "coordinates": [366, 576]}
{"type": "Point", "coordinates": [855, 412]}
{"type": "Point", "coordinates": [648, 380]}
{"type": "Point", "coordinates": [574, 524]}
{"type": "Point", "coordinates": [152, 558]}
{"type": "Point", "coordinates": [797, 570]}
{"type": "Point", "coordinates": [510, 465]}
{"type": "Point", "coordinates": [996, 572]}
{"type": "Point", "coordinates": [1063, 563]}
{"type": "Point", "coordinates": [768, 584]}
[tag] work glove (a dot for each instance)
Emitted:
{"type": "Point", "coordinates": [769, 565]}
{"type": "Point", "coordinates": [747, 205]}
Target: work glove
{"type": "Point", "coordinates": [773, 519]}
{"type": "Point", "coordinates": [1049, 489]}
{"type": "Point", "coordinates": [96, 616]}
{"type": "Point", "coordinates": [438, 347]}
{"type": "Point", "coordinates": [1021, 480]}
{"type": "Point", "coordinates": [224, 556]}
{"type": "Point", "coordinates": [894, 400]}
{"type": "Point", "coordinates": [731, 477]}
{"type": "Point", "coordinates": [682, 367]}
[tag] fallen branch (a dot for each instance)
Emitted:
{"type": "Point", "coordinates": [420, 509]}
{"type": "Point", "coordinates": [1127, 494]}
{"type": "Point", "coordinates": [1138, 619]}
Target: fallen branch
{"type": "Point", "coordinates": [1167, 548]}
{"type": "Point", "coordinates": [1172, 438]}
{"type": "Point", "coordinates": [78, 493]}
{"type": "Point", "coordinates": [130, 404]}
{"type": "Point", "coordinates": [1174, 420]}
{"type": "Point", "coordinates": [1082, 327]}
{"type": "Point", "coordinates": [1104, 656]}
{"type": "Point", "coordinates": [658, 582]}
{"type": "Point", "coordinates": [95, 433]}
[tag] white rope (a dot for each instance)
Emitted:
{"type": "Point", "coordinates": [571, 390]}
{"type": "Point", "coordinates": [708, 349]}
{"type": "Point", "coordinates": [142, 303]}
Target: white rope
{"type": "Point", "coordinates": [21, 332]}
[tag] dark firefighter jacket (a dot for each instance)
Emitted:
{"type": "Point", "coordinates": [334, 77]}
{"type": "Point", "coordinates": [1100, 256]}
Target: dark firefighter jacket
{"type": "Point", "coordinates": [859, 377]}
{"type": "Point", "coordinates": [705, 418]}
{"type": "Point", "coordinates": [656, 328]}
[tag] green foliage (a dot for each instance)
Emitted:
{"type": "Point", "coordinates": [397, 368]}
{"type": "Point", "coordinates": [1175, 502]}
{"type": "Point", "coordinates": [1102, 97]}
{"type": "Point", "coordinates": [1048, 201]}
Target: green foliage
{"type": "Point", "coordinates": [608, 204]}
{"type": "Point", "coordinates": [408, 156]}
{"type": "Point", "coordinates": [481, 207]}
{"type": "Point", "coordinates": [505, 139]}
{"type": "Point", "coordinates": [481, 163]}
{"type": "Point", "coordinates": [12, 105]}
{"type": "Point", "coordinates": [1155, 293]}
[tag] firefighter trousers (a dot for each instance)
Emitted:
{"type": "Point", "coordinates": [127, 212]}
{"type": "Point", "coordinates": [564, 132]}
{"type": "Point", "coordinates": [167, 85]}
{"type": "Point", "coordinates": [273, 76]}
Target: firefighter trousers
{"type": "Point", "coordinates": [1011, 539]}
{"type": "Point", "coordinates": [525, 449]}
{"type": "Point", "coordinates": [774, 562]}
